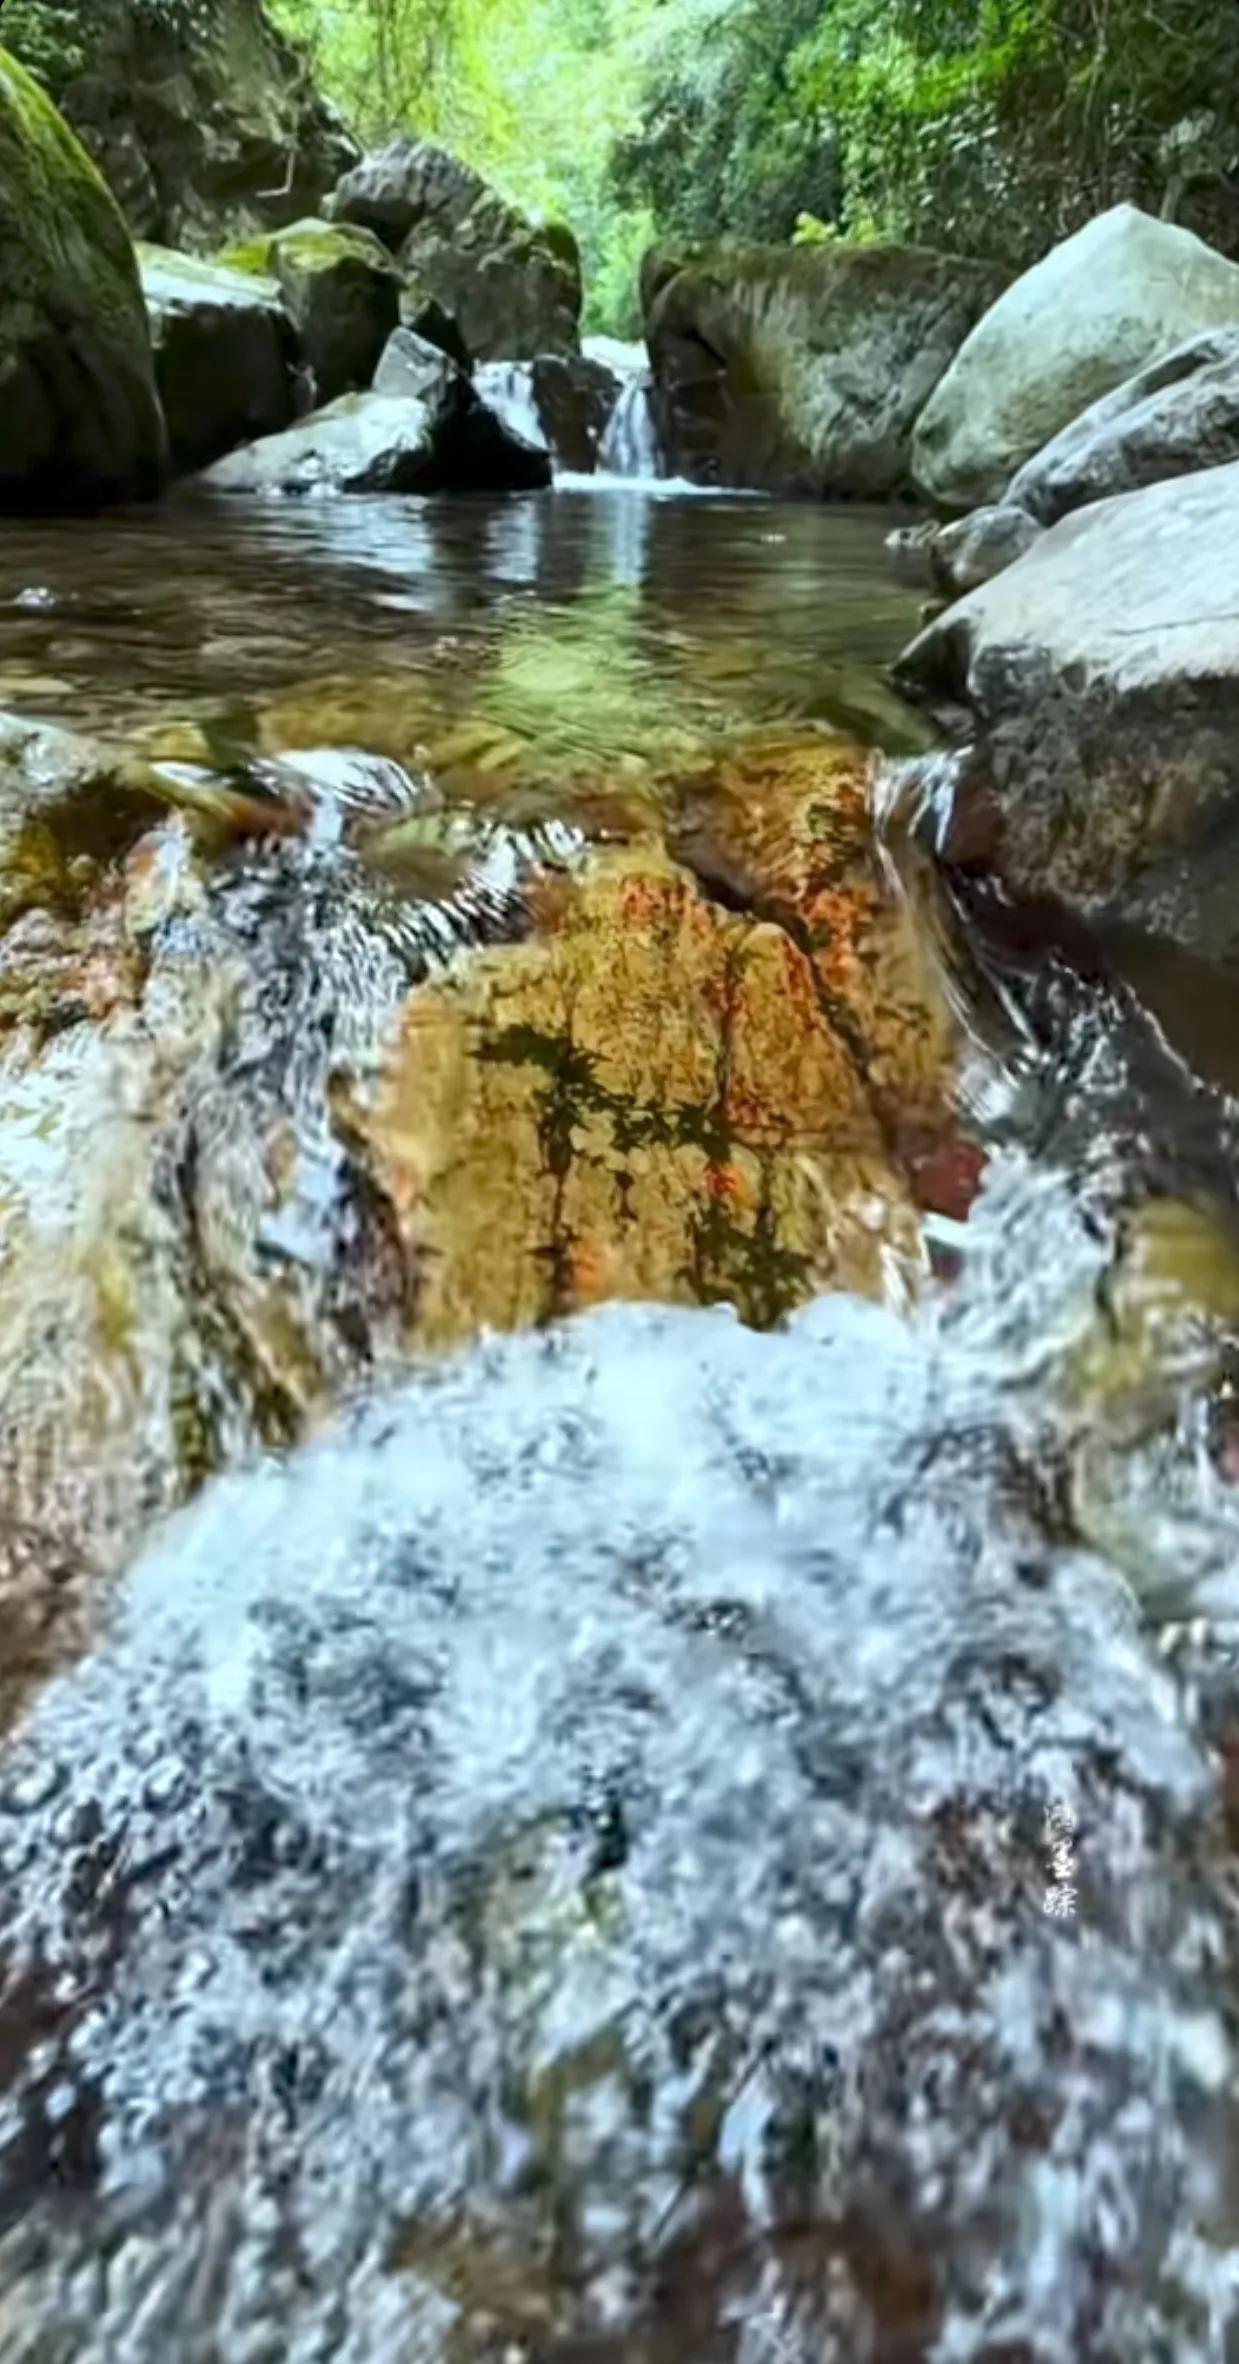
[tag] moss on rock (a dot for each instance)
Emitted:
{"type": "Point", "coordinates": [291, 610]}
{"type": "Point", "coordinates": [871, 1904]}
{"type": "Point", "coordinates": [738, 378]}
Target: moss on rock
{"type": "Point", "coordinates": [79, 415]}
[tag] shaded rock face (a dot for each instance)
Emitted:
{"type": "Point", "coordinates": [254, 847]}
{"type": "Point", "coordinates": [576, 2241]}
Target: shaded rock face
{"type": "Point", "coordinates": [1103, 674]}
{"type": "Point", "coordinates": [972, 550]}
{"type": "Point", "coordinates": [79, 413]}
{"type": "Point", "coordinates": [804, 370]}
{"type": "Point", "coordinates": [204, 119]}
{"type": "Point", "coordinates": [625, 1772]}
{"type": "Point", "coordinates": [1178, 415]}
{"type": "Point", "coordinates": [1123, 291]}
{"type": "Point", "coordinates": [342, 293]}
{"type": "Point", "coordinates": [224, 354]}
{"type": "Point", "coordinates": [513, 290]}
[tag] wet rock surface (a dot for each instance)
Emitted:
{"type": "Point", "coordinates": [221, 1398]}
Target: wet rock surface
{"type": "Point", "coordinates": [1101, 673]}
{"type": "Point", "coordinates": [621, 1771]}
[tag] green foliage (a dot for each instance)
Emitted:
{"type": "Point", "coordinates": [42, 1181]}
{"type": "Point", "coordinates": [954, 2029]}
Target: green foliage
{"type": "Point", "coordinates": [997, 126]}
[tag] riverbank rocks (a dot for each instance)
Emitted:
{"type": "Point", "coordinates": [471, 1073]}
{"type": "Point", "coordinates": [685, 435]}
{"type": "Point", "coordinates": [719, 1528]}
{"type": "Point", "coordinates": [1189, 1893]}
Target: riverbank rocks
{"type": "Point", "coordinates": [512, 289]}
{"type": "Point", "coordinates": [444, 440]}
{"type": "Point", "coordinates": [1124, 291]}
{"type": "Point", "coordinates": [341, 290]}
{"type": "Point", "coordinates": [804, 370]}
{"type": "Point", "coordinates": [1178, 415]}
{"type": "Point", "coordinates": [203, 118]}
{"type": "Point", "coordinates": [1102, 671]}
{"type": "Point", "coordinates": [79, 414]}
{"type": "Point", "coordinates": [224, 353]}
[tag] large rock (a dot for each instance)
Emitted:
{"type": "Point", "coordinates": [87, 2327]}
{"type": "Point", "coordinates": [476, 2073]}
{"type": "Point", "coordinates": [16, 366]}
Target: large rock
{"type": "Point", "coordinates": [204, 119]}
{"type": "Point", "coordinates": [1123, 291]}
{"type": "Point", "coordinates": [79, 414]}
{"type": "Point", "coordinates": [558, 403]}
{"type": "Point", "coordinates": [1178, 415]}
{"type": "Point", "coordinates": [804, 369]}
{"type": "Point", "coordinates": [224, 354]}
{"type": "Point", "coordinates": [342, 292]}
{"type": "Point", "coordinates": [389, 443]}
{"type": "Point", "coordinates": [1103, 674]}
{"type": "Point", "coordinates": [513, 289]}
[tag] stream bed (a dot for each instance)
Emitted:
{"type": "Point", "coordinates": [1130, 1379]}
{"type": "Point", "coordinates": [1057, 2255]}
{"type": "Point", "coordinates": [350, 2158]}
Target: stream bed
{"type": "Point", "coordinates": [619, 1481]}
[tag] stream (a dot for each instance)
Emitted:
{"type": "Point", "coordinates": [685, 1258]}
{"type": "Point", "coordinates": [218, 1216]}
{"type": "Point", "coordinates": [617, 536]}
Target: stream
{"type": "Point", "coordinates": [619, 1479]}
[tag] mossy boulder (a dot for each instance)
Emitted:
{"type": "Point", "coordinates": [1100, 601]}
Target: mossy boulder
{"type": "Point", "coordinates": [342, 293]}
{"type": "Point", "coordinates": [512, 287]}
{"type": "Point", "coordinates": [224, 351]}
{"type": "Point", "coordinates": [804, 369]}
{"type": "Point", "coordinates": [79, 415]}
{"type": "Point", "coordinates": [202, 116]}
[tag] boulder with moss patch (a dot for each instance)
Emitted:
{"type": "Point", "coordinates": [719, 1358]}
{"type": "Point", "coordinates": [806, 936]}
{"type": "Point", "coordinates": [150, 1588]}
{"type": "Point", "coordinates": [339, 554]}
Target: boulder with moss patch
{"type": "Point", "coordinates": [513, 288]}
{"type": "Point", "coordinates": [224, 353]}
{"type": "Point", "coordinates": [79, 414]}
{"type": "Point", "coordinates": [342, 292]}
{"type": "Point", "coordinates": [804, 370]}
{"type": "Point", "coordinates": [204, 119]}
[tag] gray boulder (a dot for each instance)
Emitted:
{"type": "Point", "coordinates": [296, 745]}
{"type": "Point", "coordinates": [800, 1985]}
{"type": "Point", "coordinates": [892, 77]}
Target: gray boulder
{"type": "Point", "coordinates": [79, 414]}
{"type": "Point", "coordinates": [413, 366]}
{"type": "Point", "coordinates": [1178, 415]}
{"type": "Point", "coordinates": [1125, 290]}
{"type": "Point", "coordinates": [439, 440]}
{"type": "Point", "coordinates": [512, 289]}
{"type": "Point", "coordinates": [1102, 672]}
{"type": "Point", "coordinates": [804, 369]}
{"type": "Point", "coordinates": [972, 550]}
{"type": "Point", "coordinates": [224, 353]}
{"type": "Point", "coordinates": [342, 293]}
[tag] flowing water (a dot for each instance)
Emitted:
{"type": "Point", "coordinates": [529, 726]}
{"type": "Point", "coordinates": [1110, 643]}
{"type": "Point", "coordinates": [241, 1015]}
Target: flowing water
{"type": "Point", "coordinates": [619, 1482]}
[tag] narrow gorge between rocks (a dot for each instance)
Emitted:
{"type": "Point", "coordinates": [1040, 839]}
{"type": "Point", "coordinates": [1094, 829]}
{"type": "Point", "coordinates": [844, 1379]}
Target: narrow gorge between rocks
{"type": "Point", "coordinates": [619, 1255]}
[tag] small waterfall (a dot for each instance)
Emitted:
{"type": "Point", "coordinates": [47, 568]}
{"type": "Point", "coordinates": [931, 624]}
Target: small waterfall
{"type": "Point", "coordinates": [507, 389]}
{"type": "Point", "coordinates": [630, 446]}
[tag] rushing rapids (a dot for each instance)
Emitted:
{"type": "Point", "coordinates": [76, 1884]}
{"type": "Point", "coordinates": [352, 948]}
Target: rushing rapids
{"type": "Point", "coordinates": [543, 1820]}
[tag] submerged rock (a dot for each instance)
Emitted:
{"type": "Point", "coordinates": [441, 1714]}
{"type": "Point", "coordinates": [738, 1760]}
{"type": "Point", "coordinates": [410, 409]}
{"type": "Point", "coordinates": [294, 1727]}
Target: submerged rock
{"type": "Point", "coordinates": [1178, 415]}
{"type": "Point", "coordinates": [638, 1847]}
{"type": "Point", "coordinates": [1103, 674]}
{"type": "Point", "coordinates": [224, 353]}
{"type": "Point", "coordinates": [513, 289]}
{"type": "Point", "coordinates": [342, 293]}
{"type": "Point", "coordinates": [1106, 302]}
{"type": "Point", "coordinates": [79, 414]}
{"type": "Point", "coordinates": [803, 370]}
{"type": "Point", "coordinates": [660, 1094]}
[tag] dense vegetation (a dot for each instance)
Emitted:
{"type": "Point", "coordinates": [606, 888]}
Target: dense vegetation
{"type": "Point", "coordinates": [990, 126]}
